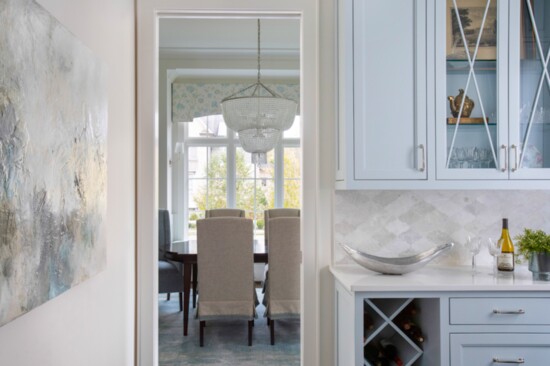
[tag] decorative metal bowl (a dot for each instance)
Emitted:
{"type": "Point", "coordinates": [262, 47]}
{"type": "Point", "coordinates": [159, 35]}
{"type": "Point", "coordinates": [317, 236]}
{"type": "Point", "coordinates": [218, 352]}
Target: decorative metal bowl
{"type": "Point", "coordinates": [395, 266]}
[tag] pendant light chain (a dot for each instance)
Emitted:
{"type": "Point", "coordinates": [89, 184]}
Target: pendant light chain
{"type": "Point", "coordinates": [258, 50]}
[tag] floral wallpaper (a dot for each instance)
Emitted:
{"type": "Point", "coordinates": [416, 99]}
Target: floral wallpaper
{"type": "Point", "coordinates": [198, 99]}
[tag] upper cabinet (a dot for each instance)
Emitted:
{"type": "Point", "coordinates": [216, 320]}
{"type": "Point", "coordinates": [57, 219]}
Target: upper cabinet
{"type": "Point", "coordinates": [443, 94]}
{"type": "Point", "coordinates": [493, 56]}
{"type": "Point", "coordinates": [382, 91]}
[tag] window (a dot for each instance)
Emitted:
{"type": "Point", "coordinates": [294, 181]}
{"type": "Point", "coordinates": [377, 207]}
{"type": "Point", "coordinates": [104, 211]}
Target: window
{"type": "Point", "coordinates": [218, 173]}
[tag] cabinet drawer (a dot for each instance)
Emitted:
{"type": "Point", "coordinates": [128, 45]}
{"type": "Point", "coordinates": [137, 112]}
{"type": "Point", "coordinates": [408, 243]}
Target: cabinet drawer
{"type": "Point", "coordinates": [510, 349]}
{"type": "Point", "coordinates": [500, 310]}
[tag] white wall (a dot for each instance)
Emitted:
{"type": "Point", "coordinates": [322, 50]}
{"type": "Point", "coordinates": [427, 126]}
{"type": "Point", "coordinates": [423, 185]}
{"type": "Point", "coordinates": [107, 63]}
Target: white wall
{"type": "Point", "coordinates": [92, 324]}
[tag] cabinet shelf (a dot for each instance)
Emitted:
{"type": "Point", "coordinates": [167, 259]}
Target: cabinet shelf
{"type": "Point", "coordinates": [454, 65]}
{"type": "Point", "coordinates": [468, 121]}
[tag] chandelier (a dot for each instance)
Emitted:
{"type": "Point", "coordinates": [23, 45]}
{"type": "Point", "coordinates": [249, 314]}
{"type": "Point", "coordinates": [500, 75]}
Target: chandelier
{"type": "Point", "coordinates": [259, 116]}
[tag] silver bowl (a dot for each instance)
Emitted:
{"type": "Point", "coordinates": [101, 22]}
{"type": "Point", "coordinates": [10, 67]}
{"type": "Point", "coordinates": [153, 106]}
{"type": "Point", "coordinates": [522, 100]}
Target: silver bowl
{"type": "Point", "coordinates": [395, 266]}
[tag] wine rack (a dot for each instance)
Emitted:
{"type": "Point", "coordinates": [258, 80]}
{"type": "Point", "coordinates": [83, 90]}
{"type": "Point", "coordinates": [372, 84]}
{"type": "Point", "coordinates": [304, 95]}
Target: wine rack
{"type": "Point", "coordinates": [381, 315]}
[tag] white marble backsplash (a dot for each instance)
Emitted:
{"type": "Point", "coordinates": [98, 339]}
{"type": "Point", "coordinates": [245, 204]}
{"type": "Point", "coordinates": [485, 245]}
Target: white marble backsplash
{"type": "Point", "coordinates": [398, 223]}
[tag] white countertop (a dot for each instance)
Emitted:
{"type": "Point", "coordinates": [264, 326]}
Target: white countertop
{"type": "Point", "coordinates": [433, 278]}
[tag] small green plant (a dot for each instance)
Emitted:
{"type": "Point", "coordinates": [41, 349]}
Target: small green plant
{"type": "Point", "coordinates": [532, 241]}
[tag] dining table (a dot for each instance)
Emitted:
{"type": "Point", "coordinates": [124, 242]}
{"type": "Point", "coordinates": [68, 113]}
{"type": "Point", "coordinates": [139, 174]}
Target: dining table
{"type": "Point", "coordinates": [185, 252]}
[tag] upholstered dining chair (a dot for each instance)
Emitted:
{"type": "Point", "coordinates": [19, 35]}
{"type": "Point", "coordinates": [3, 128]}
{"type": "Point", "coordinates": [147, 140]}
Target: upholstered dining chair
{"type": "Point", "coordinates": [224, 212]}
{"type": "Point", "coordinates": [277, 212]}
{"type": "Point", "coordinates": [208, 214]}
{"type": "Point", "coordinates": [170, 273]}
{"type": "Point", "coordinates": [282, 295]}
{"type": "Point", "coordinates": [225, 257]}
{"type": "Point", "coordinates": [271, 214]}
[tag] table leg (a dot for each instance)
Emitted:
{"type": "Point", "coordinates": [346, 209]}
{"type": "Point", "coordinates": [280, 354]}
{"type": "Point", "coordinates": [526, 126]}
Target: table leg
{"type": "Point", "coordinates": [186, 293]}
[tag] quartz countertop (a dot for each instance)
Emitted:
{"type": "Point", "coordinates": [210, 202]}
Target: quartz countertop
{"type": "Point", "coordinates": [435, 278]}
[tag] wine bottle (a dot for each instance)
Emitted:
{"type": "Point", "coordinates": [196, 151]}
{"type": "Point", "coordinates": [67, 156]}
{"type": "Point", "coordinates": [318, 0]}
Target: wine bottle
{"type": "Point", "coordinates": [505, 260]}
{"type": "Point", "coordinates": [410, 310]}
{"type": "Point", "coordinates": [368, 322]}
{"type": "Point", "coordinates": [374, 356]}
{"type": "Point", "coordinates": [371, 354]}
{"type": "Point", "coordinates": [415, 333]}
{"type": "Point", "coordinates": [390, 351]}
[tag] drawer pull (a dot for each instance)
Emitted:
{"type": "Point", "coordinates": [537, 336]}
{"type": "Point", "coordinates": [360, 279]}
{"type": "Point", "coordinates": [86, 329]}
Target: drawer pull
{"type": "Point", "coordinates": [518, 361]}
{"type": "Point", "coordinates": [519, 311]}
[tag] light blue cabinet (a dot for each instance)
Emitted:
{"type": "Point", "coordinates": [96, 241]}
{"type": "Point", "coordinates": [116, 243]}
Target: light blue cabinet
{"type": "Point", "coordinates": [504, 72]}
{"type": "Point", "coordinates": [399, 62]}
{"type": "Point", "coordinates": [460, 328]}
{"type": "Point", "coordinates": [500, 349]}
{"type": "Point", "coordinates": [382, 91]}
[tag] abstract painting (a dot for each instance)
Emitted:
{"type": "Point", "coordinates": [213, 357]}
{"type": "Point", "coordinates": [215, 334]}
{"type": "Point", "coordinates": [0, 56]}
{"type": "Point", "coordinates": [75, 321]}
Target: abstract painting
{"type": "Point", "coordinates": [53, 167]}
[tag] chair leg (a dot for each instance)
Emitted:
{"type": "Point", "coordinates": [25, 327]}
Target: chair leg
{"type": "Point", "coordinates": [195, 274]}
{"type": "Point", "coordinates": [268, 321]}
{"type": "Point", "coordinates": [250, 325]}
{"type": "Point", "coordinates": [181, 301]}
{"type": "Point", "coordinates": [202, 323]}
{"type": "Point", "coordinates": [168, 297]}
{"type": "Point", "coordinates": [272, 331]}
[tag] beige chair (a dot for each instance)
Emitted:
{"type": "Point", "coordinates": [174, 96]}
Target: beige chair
{"type": "Point", "coordinates": [218, 212]}
{"type": "Point", "coordinates": [224, 212]}
{"type": "Point", "coordinates": [274, 213]}
{"type": "Point", "coordinates": [282, 295]}
{"type": "Point", "coordinates": [225, 257]}
{"type": "Point", "coordinates": [271, 214]}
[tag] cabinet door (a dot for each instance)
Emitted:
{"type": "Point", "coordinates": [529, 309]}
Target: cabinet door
{"type": "Point", "coordinates": [500, 349]}
{"type": "Point", "coordinates": [389, 55]}
{"type": "Point", "coordinates": [529, 89]}
{"type": "Point", "coordinates": [471, 89]}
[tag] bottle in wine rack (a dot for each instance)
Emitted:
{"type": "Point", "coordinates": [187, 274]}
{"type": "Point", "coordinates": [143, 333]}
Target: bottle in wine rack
{"type": "Point", "coordinates": [371, 353]}
{"type": "Point", "coordinates": [368, 322]}
{"type": "Point", "coordinates": [410, 310]}
{"type": "Point", "coordinates": [374, 355]}
{"type": "Point", "coordinates": [415, 333]}
{"type": "Point", "coordinates": [390, 351]}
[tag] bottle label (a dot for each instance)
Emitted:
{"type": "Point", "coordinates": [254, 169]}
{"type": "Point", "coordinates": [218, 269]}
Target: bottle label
{"type": "Point", "coordinates": [505, 261]}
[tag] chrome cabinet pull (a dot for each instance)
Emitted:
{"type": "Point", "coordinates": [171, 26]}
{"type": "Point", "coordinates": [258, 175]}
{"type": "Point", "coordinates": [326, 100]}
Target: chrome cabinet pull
{"type": "Point", "coordinates": [515, 157]}
{"type": "Point", "coordinates": [505, 157]}
{"type": "Point", "coordinates": [518, 361]}
{"type": "Point", "coordinates": [423, 166]}
{"type": "Point", "coordinates": [517, 312]}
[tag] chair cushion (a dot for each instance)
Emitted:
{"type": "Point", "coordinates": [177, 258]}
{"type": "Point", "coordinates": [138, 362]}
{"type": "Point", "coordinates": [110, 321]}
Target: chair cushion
{"type": "Point", "coordinates": [170, 278]}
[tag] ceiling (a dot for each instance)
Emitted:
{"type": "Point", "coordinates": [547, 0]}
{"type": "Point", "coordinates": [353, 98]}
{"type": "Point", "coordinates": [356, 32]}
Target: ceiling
{"type": "Point", "coordinates": [191, 36]}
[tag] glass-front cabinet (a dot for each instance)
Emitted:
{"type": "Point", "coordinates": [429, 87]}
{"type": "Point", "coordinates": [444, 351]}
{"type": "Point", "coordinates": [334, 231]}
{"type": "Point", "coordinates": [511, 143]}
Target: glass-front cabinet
{"type": "Point", "coordinates": [492, 89]}
{"type": "Point", "coordinates": [530, 90]}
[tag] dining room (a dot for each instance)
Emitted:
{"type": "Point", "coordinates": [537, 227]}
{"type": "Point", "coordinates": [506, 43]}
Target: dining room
{"type": "Point", "coordinates": [220, 187]}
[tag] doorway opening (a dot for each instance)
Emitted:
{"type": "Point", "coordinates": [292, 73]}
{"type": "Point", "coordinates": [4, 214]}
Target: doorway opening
{"type": "Point", "coordinates": [202, 165]}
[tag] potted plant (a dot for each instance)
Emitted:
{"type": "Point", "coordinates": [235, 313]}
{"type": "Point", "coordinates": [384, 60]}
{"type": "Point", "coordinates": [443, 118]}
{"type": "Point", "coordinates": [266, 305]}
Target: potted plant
{"type": "Point", "coordinates": [534, 245]}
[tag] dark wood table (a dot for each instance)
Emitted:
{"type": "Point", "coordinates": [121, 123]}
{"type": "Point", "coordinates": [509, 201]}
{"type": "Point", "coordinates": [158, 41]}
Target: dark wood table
{"type": "Point", "coordinates": [186, 252]}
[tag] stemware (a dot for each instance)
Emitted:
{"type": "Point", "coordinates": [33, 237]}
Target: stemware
{"type": "Point", "coordinates": [494, 251]}
{"type": "Point", "coordinates": [474, 246]}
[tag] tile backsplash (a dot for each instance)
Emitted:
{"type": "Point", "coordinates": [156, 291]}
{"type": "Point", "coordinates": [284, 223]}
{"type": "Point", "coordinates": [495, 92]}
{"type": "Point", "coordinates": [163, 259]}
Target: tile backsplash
{"type": "Point", "coordinates": [397, 223]}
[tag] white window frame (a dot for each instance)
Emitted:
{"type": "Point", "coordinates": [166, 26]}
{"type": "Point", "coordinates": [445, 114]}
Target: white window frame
{"type": "Point", "coordinates": [231, 143]}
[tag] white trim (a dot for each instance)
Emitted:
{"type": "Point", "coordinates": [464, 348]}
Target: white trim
{"type": "Point", "coordinates": [148, 13]}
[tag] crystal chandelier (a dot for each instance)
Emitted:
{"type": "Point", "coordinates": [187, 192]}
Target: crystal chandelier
{"type": "Point", "coordinates": [259, 115]}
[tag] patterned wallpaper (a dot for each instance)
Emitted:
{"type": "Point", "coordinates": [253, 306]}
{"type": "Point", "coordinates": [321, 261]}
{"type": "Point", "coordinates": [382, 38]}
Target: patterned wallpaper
{"type": "Point", "coordinates": [397, 223]}
{"type": "Point", "coordinates": [198, 99]}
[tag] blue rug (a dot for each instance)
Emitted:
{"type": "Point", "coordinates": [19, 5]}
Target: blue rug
{"type": "Point", "coordinates": [225, 341]}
